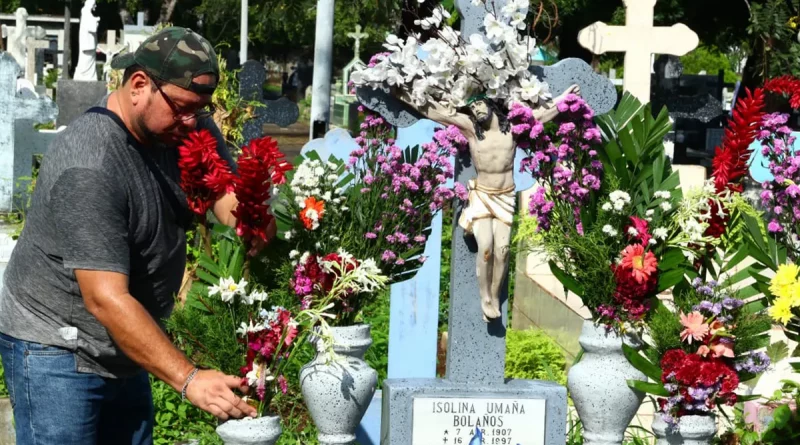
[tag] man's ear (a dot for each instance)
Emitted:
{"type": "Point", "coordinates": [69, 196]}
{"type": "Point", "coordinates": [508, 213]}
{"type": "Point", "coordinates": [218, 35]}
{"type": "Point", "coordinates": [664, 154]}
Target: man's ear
{"type": "Point", "coordinates": [139, 84]}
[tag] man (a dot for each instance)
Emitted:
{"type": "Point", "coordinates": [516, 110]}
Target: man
{"type": "Point", "coordinates": [101, 258]}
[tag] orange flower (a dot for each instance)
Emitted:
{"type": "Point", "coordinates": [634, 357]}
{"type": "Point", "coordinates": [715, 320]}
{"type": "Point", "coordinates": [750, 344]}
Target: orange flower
{"type": "Point", "coordinates": [312, 213]}
{"type": "Point", "coordinates": [696, 327]}
{"type": "Point", "coordinates": [642, 264]}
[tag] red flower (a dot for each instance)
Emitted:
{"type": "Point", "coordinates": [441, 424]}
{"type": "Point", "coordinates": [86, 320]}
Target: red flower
{"type": "Point", "coordinates": [261, 166]}
{"type": "Point", "coordinates": [671, 360]}
{"type": "Point", "coordinates": [730, 162]}
{"type": "Point", "coordinates": [205, 176]}
{"type": "Point", "coordinates": [642, 230]}
{"type": "Point", "coordinates": [788, 86]}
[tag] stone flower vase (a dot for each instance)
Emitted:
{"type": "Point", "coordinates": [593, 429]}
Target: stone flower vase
{"type": "Point", "coordinates": [692, 430]}
{"type": "Point", "coordinates": [260, 431]}
{"type": "Point", "coordinates": [338, 392]}
{"type": "Point", "coordinates": [599, 387]}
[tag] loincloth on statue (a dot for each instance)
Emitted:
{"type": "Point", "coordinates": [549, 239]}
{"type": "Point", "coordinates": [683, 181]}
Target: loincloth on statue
{"type": "Point", "coordinates": [488, 203]}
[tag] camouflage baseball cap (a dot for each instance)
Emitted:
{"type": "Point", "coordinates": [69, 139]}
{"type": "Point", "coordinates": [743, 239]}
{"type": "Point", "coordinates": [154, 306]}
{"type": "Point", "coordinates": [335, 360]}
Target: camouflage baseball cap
{"type": "Point", "coordinates": [174, 55]}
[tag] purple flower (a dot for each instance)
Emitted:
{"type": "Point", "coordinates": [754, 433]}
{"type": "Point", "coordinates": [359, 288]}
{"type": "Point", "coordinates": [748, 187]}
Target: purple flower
{"type": "Point", "coordinates": [388, 256]}
{"type": "Point", "coordinates": [774, 226]}
{"type": "Point", "coordinates": [755, 363]}
{"type": "Point", "coordinates": [461, 191]}
{"type": "Point", "coordinates": [731, 304]}
{"type": "Point", "coordinates": [370, 235]}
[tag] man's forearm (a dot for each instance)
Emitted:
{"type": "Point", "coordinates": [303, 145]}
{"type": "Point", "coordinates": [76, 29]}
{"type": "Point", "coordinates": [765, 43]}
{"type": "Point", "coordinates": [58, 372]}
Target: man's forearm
{"type": "Point", "coordinates": [142, 340]}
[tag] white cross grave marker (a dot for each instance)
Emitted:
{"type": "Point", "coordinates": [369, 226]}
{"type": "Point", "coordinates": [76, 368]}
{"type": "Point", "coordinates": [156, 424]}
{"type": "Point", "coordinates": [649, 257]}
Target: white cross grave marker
{"type": "Point", "coordinates": [32, 45]}
{"type": "Point", "coordinates": [639, 40]}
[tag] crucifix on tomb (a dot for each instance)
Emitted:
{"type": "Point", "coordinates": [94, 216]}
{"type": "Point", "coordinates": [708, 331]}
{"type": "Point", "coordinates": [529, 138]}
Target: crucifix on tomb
{"type": "Point", "coordinates": [639, 40]}
{"type": "Point", "coordinates": [356, 63]}
{"type": "Point", "coordinates": [357, 36]}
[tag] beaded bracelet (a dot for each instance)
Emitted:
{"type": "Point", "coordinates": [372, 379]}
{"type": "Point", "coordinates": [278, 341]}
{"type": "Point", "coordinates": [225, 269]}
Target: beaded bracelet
{"type": "Point", "coordinates": [188, 380]}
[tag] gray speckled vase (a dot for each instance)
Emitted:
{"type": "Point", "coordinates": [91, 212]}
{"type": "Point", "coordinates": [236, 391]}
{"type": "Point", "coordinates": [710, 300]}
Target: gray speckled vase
{"type": "Point", "coordinates": [692, 430]}
{"type": "Point", "coordinates": [261, 431]}
{"type": "Point", "coordinates": [598, 386]}
{"type": "Point", "coordinates": [338, 393]}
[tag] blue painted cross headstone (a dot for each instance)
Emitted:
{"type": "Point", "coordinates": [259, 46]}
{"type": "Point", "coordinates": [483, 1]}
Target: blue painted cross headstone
{"type": "Point", "coordinates": [12, 108]}
{"type": "Point", "coordinates": [414, 304]}
{"type": "Point", "coordinates": [427, 410]}
{"type": "Point", "coordinates": [281, 112]}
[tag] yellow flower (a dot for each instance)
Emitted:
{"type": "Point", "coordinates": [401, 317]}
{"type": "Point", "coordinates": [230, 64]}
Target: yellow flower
{"type": "Point", "coordinates": [783, 282]}
{"type": "Point", "coordinates": [781, 310]}
{"type": "Point", "coordinates": [795, 297]}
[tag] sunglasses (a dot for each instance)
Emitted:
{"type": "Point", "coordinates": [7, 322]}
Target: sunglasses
{"type": "Point", "coordinates": [180, 115]}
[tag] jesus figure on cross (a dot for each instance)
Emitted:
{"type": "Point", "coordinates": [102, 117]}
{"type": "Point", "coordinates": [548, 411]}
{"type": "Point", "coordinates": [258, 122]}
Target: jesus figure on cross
{"type": "Point", "coordinates": [489, 213]}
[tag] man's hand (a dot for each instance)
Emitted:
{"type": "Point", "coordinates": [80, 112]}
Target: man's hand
{"type": "Point", "coordinates": [212, 392]}
{"type": "Point", "coordinates": [257, 244]}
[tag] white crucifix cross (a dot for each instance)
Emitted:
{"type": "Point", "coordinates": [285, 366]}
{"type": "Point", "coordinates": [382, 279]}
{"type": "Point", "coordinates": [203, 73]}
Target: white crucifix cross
{"type": "Point", "coordinates": [639, 40]}
{"type": "Point", "coordinates": [357, 36]}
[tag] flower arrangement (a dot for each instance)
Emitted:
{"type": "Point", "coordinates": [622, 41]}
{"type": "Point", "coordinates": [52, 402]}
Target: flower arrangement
{"type": "Point", "coordinates": [609, 212]}
{"type": "Point", "coordinates": [374, 210]}
{"type": "Point", "coordinates": [781, 195]}
{"type": "Point", "coordinates": [205, 177]}
{"type": "Point", "coordinates": [702, 351]}
{"type": "Point", "coordinates": [454, 67]}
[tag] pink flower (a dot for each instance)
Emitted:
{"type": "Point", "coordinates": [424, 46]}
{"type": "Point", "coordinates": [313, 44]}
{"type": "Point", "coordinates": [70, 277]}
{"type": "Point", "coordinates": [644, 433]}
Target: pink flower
{"type": "Point", "coordinates": [696, 327]}
{"type": "Point", "coordinates": [642, 264]}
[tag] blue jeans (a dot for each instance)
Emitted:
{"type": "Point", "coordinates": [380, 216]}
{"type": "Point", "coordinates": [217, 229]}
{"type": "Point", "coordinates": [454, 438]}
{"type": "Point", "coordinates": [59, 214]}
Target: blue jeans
{"type": "Point", "coordinates": [56, 405]}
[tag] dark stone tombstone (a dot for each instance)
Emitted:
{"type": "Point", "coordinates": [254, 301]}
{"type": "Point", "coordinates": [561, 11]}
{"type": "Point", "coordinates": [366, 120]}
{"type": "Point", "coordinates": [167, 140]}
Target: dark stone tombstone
{"type": "Point", "coordinates": [281, 112]}
{"type": "Point", "coordinates": [74, 97]}
{"type": "Point", "coordinates": [694, 102]}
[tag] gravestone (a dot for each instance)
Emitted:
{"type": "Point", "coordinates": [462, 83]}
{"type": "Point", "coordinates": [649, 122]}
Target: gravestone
{"type": "Point", "coordinates": [695, 106]}
{"type": "Point", "coordinates": [639, 40]}
{"type": "Point", "coordinates": [28, 143]}
{"type": "Point", "coordinates": [281, 112]}
{"type": "Point", "coordinates": [35, 50]}
{"type": "Point", "coordinates": [12, 108]}
{"type": "Point", "coordinates": [75, 97]}
{"type": "Point", "coordinates": [475, 393]}
{"type": "Point", "coordinates": [135, 35]}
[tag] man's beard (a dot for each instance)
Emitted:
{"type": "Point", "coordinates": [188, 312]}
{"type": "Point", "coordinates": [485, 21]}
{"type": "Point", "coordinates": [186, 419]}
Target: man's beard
{"type": "Point", "coordinates": [163, 140]}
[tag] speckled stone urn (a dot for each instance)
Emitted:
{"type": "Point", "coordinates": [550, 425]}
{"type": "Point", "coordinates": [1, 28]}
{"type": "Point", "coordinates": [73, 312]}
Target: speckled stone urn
{"type": "Point", "coordinates": [261, 431]}
{"type": "Point", "coordinates": [338, 392]}
{"type": "Point", "coordinates": [599, 387]}
{"type": "Point", "coordinates": [692, 430]}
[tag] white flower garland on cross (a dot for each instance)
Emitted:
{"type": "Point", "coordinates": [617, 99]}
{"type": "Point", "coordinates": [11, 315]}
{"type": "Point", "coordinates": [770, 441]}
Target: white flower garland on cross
{"type": "Point", "coordinates": [452, 71]}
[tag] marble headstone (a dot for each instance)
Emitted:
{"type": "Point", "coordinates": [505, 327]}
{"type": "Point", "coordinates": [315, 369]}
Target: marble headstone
{"type": "Point", "coordinates": [28, 143]}
{"type": "Point", "coordinates": [75, 97]}
{"type": "Point", "coordinates": [13, 108]}
{"type": "Point", "coordinates": [281, 112]}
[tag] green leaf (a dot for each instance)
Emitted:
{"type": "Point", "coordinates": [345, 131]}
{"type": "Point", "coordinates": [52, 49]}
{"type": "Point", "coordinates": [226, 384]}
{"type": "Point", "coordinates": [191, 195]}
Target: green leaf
{"type": "Point", "coordinates": [670, 278]}
{"type": "Point", "coordinates": [655, 389]}
{"type": "Point", "coordinates": [210, 266]}
{"type": "Point", "coordinates": [236, 265]}
{"type": "Point", "coordinates": [778, 351]}
{"type": "Point", "coordinates": [781, 417]}
{"type": "Point", "coordinates": [566, 280]}
{"type": "Point", "coordinates": [673, 257]}
{"type": "Point", "coordinates": [641, 363]}
{"type": "Point", "coordinates": [206, 277]}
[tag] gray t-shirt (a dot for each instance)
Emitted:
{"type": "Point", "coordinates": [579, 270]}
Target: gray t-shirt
{"type": "Point", "coordinates": [97, 206]}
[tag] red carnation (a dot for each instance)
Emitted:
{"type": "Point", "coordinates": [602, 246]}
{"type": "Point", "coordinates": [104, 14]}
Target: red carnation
{"type": "Point", "coordinates": [671, 361]}
{"type": "Point", "coordinates": [261, 167]}
{"type": "Point", "coordinates": [205, 176]}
